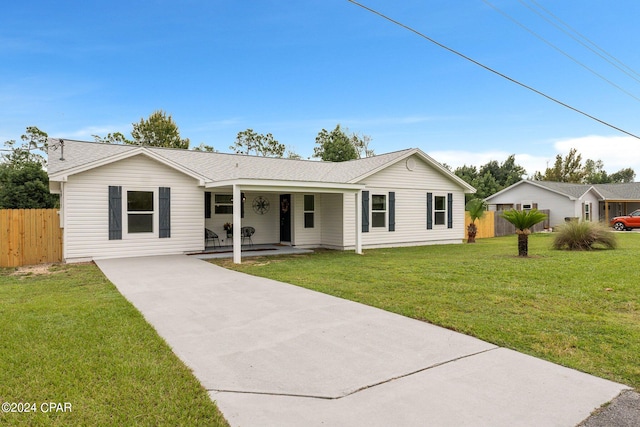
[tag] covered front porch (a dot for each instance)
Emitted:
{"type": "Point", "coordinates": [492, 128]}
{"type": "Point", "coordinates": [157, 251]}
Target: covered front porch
{"type": "Point", "coordinates": [253, 216]}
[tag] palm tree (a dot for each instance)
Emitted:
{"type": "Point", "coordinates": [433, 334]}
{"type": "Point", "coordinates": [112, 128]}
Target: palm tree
{"type": "Point", "coordinates": [476, 209]}
{"type": "Point", "coordinates": [523, 221]}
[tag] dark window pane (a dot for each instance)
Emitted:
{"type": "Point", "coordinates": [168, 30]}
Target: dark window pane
{"type": "Point", "coordinates": [439, 218]}
{"type": "Point", "coordinates": [378, 203]}
{"type": "Point", "coordinates": [308, 220]}
{"type": "Point", "coordinates": [440, 203]}
{"type": "Point", "coordinates": [309, 202]}
{"type": "Point", "coordinates": [378, 219]}
{"type": "Point", "coordinates": [224, 209]}
{"type": "Point", "coordinates": [140, 201]}
{"type": "Point", "coordinates": [224, 198]}
{"type": "Point", "coordinates": [140, 223]}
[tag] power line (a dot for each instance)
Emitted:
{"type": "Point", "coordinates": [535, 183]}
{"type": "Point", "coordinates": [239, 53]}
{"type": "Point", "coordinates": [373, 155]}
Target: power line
{"type": "Point", "coordinates": [585, 38]}
{"type": "Point", "coordinates": [504, 76]}
{"type": "Point", "coordinates": [524, 27]}
{"type": "Point", "coordinates": [568, 33]}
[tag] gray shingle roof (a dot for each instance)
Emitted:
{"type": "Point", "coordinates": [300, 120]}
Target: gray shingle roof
{"type": "Point", "coordinates": [223, 167]}
{"type": "Point", "coordinates": [624, 191]}
{"type": "Point", "coordinates": [570, 189]}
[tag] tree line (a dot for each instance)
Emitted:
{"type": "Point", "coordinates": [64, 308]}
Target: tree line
{"type": "Point", "coordinates": [492, 177]}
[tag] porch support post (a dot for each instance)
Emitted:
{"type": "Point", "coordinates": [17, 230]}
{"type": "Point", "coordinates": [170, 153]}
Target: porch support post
{"type": "Point", "coordinates": [358, 214]}
{"type": "Point", "coordinates": [237, 224]}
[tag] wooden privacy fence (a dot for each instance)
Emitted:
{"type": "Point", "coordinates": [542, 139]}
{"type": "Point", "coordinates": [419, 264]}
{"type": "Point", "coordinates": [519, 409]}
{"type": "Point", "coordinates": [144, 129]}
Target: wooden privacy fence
{"type": "Point", "coordinates": [493, 225]}
{"type": "Point", "coordinates": [29, 236]}
{"type": "Point", "coordinates": [486, 226]}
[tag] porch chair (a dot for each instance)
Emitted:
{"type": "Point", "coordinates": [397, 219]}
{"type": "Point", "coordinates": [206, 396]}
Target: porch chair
{"type": "Point", "coordinates": [210, 236]}
{"type": "Point", "coordinates": [246, 233]}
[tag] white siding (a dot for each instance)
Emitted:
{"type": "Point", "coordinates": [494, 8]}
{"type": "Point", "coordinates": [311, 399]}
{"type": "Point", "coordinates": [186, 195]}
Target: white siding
{"type": "Point", "coordinates": [559, 205]}
{"type": "Point", "coordinates": [306, 236]}
{"type": "Point", "coordinates": [411, 220]}
{"type": "Point", "coordinates": [423, 176]}
{"type": "Point", "coordinates": [87, 218]}
{"type": "Point", "coordinates": [332, 211]}
{"type": "Point", "coordinates": [411, 187]}
{"type": "Point", "coordinates": [593, 200]}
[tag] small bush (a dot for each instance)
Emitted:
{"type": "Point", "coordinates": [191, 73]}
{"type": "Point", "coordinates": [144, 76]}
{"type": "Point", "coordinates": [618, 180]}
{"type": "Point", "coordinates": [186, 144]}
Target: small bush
{"type": "Point", "coordinates": [581, 236]}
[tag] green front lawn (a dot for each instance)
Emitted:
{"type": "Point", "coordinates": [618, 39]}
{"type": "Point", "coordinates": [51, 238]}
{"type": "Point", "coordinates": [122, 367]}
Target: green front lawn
{"type": "Point", "coordinates": [68, 337]}
{"type": "Point", "coordinates": [578, 309]}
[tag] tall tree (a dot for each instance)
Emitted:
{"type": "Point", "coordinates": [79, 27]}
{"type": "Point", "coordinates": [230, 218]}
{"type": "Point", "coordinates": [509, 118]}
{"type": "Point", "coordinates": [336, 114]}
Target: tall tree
{"type": "Point", "coordinates": [251, 142]}
{"type": "Point", "coordinates": [506, 173]}
{"type": "Point", "coordinates": [335, 146]}
{"type": "Point", "coordinates": [623, 175]}
{"type": "Point", "coordinates": [565, 169]}
{"type": "Point", "coordinates": [571, 169]}
{"type": "Point", "coordinates": [491, 177]}
{"type": "Point", "coordinates": [594, 172]}
{"type": "Point", "coordinates": [361, 144]}
{"type": "Point", "coordinates": [24, 184]}
{"type": "Point", "coordinates": [159, 130]}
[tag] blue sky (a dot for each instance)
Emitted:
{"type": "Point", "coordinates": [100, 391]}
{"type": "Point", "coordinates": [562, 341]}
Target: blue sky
{"type": "Point", "coordinates": [291, 68]}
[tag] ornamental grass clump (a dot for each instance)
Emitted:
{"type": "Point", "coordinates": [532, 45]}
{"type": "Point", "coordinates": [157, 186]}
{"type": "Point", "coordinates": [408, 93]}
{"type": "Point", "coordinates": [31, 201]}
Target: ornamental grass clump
{"type": "Point", "coordinates": [584, 236]}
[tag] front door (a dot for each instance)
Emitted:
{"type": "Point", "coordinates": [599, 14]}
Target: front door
{"type": "Point", "coordinates": [285, 217]}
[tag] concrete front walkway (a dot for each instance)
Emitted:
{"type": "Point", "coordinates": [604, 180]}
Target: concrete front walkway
{"type": "Point", "coordinates": [273, 354]}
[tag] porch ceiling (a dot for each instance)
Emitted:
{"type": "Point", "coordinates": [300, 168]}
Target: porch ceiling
{"type": "Point", "coordinates": [286, 186]}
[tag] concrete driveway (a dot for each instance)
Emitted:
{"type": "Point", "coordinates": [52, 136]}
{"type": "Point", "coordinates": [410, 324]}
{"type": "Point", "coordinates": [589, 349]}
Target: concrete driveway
{"type": "Point", "coordinates": [273, 354]}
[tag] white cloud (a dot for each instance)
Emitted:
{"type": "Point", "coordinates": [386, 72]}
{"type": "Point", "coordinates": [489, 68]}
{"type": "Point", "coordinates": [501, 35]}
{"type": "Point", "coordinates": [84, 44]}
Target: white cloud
{"type": "Point", "coordinates": [86, 133]}
{"type": "Point", "coordinates": [616, 152]}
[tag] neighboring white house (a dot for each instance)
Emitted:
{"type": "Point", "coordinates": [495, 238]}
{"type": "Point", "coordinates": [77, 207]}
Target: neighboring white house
{"type": "Point", "coordinates": [587, 202]}
{"type": "Point", "coordinates": [125, 200]}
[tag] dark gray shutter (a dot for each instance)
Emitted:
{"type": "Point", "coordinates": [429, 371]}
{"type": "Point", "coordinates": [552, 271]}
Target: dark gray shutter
{"type": "Point", "coordinates": [164, 212]}
{"type": "Point", "coordinates": [365, 211]}
{"type": "Point", "coordinates": [429, 211]}
{"type": "Point", "coordinates": [207, 204]}
{"type": "Point", "coordinates": [242, 199]}
{"type": "Point", "coordinates": [392, 211]}
{"type": "Point", "coordinates": [449, 210]}
{"type": "Point", "coordinates": [115, 213]}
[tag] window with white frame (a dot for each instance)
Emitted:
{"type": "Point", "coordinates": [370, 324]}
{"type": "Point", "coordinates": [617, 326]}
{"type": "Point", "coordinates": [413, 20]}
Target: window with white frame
{"type": "Point", "coordinates": [440, 210]}
{"type": "Point", "coordinates": [379, 210]}
{"type": "Point", "coordinates": [140, 211]}
{"type": "Point", "coordinates": [587, 211]}
{"type": "Point", "coordinates": [309, 210]}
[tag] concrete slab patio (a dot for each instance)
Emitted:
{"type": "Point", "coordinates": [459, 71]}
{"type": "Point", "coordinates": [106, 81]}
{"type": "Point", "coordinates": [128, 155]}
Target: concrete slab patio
{"type": "Point", "coordinates": [273, 354]}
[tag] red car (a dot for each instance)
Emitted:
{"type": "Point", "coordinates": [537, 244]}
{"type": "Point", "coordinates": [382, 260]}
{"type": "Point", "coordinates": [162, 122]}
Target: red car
{"type": "Point", "coordinates": [626, 222]}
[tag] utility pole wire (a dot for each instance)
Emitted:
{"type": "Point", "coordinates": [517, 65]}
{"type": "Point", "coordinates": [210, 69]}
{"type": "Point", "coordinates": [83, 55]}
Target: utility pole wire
{"type": "Point", "coordinates": [586, 39]}
{"type": "Point", "coordinates": [548, 43]}
{"type": "Point", "coordinates": [504, 76]}
{"type": "Point", "coordinates": [577, 40]}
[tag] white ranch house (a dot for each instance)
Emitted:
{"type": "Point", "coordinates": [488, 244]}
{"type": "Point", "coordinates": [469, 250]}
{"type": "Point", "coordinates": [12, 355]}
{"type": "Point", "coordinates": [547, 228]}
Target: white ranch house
{"type": "Point", "coordinates": [124, 200]}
